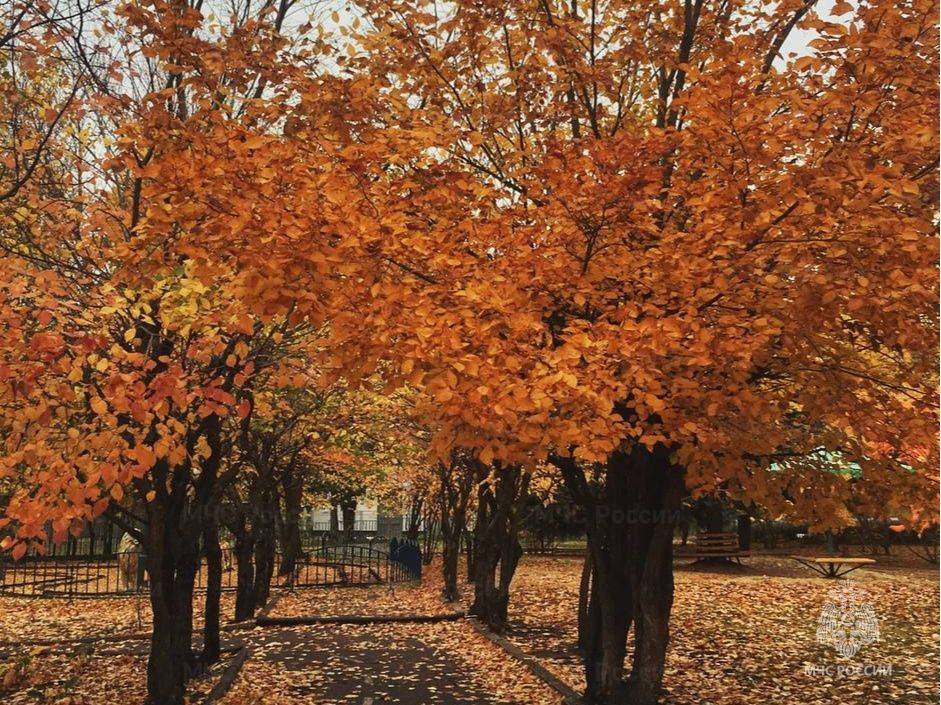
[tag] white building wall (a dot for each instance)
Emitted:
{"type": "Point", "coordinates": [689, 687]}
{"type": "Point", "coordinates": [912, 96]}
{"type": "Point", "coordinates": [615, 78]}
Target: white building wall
{"type": "Point", "coordinates": [367, 512]}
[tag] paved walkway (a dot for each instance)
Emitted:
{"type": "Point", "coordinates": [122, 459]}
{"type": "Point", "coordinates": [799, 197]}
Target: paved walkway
{"type": "Point", "coordinates": [336, 664]}
{"type": "Point", "coordinates": [401, 664]}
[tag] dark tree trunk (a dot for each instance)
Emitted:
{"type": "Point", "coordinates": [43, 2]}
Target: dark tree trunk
{"type": "Point", "coordinates": [171, 561]}
{"type": "Point", "coordinates": [451, 550]}
{"type": "Point", "coordinates": [245, 572]}
{"type": "Point", "coordinates": [213, 550]}
{"type": "Point", "coordinates": [187, 567]}
{"type": "Point", "coordinates": [831, 542]}
{"type": "Point", "coordinates": [470, 553]}
{"type": "Point", "coordinates": [414, 518]}
{"type": "Point", "coordinates": [349, 520]}
{"type": "Point", "coordinates": [744, 531]}
{"type": "Point", "coordinates": [584, 592]}
{"type": "Point", "coordinates": [334, 521]}
{"type": "Point", "coordinates": [659, 490]}
{"type": "Point", "coordinates": [292, 489]}
{"type": "Point", "coordinates": [496, 537]}
{"type": "Point", "coordinates": [265, 544]}
{"type": "Point", "coordinates": [631, 515]}
{"type": "Point", "coordinates": [431, 538]}
{"type": "Point", "coordinates": [454, 492]}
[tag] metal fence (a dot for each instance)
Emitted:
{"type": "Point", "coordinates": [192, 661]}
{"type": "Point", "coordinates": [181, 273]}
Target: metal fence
{"type": "Point", "coordinates": [91, 576]}
{"type": "Point", "coordinates": [349, 564]}
{"type": "Point", "coordinates": [362, 529]}
{"type": "Point", "coordinates": [125, 573]}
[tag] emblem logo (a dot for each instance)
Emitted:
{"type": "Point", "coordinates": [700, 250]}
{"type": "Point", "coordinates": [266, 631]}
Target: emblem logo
{"type": "Point", "coordinates": [847, 621]}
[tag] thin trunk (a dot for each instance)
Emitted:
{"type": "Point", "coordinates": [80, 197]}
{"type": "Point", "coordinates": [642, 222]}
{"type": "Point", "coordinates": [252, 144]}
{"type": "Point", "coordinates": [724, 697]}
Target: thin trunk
{"type": "Point", "coordinates": [744, 531]}
{"type": "Point", "coordinates": [245, 572]}
{"type": "Point", "coordinates": [470, 553]}
{"type": "Point", "coordinates": [211, 646]}
{"type": "Point", "coordinates": [349, 520]}
{"type": "Point", "coordinates": [414, 518]}
{"type": "Point", "coordinates": [431, 538]}
{"type": "Point", "coordinates": [265, 544]}
{"type": "Point", "coordinates": [292, 489]}
{"type": "Point", "coordinates": [451, 551]}
{"type": "Point", "coordinates": [497, 548]}
{"type": "Point", "coordinates": [584, 592]}
{"type": "Point", "coordinates": [454, 493]}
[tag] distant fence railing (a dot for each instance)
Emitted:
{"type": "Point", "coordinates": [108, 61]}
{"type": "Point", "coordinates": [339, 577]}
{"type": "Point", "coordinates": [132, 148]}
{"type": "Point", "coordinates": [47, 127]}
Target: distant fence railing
{"type": "Point", "coordinates": [125, 573]}
{"type": "Point", "coordinates": [564, 544]}
{"type": "Point", "coordinates": [102, 545]}
{"type": "Point", "coordinates": [351, 564]}
{"type": "Point", "coordinates": [383, 527]}
{"type": "Point", "coordinates": [91, 576]}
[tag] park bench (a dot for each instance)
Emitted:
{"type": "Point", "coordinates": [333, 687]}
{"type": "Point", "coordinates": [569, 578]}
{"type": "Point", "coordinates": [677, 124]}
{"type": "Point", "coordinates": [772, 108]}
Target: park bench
{"type": "Point", "coordinates": [715, 545]}
{"type": "Point", "coordinates": [833, 566]}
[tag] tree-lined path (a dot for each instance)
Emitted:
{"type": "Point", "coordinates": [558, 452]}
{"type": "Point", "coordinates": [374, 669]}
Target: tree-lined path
{"type": "Point", "coordinates": [469, 275]}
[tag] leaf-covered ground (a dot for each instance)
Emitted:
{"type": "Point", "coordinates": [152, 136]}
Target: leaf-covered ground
{"type": "Point", "coordinates": [748, 635]}
{"type": "Point", "coordinates": [86, 676]}
{"type": "Point", "coordinates": [447, 663]}
{"type": "Point", "coordinates": [38, 619]}
{"type": "Point", "coordinates": [741, 635]}
{"type": "Point", "coordinates": [402, 599]}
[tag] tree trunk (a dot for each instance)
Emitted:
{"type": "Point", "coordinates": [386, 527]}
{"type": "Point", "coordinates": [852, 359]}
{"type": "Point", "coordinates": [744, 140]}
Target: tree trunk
{"type": "Point", "coordinates": [744, 531]}
{"type": "Point", "coordinates": [454, 492]}
{"type": "Point", "coordinates": [631, 515]}
{"type": "Point", "coordinates": [213, 550]}
{"type": "Point", "coordinates": [349, 520]}
{"type": "Point", "coordinates": [414, 518]}
{"type": "Point", "coordinates": [660, 489]}
{"type": "Point", "coordinates": [171, 561]}
{"type": "Point", "coordinates": [497, 548]}
{"type": "Point", "coordinates": [584, 592]}
{"type": "Point", "coordinates": [291, 549]}
{"type": "Point", "coordinates": [470, 553]}
{"type": "Point", "coordinates": [431, 538]}
{"type": "Point", "coordinates": [265, 544]}
{"type": "Point", "coordinates": [713, 521]}
{"type": "Point", "coordinates": [451, 551]}
{"type": "Point", "coordinates": [245, 573]}
{"type": "Point", "coordinates": [830, 541]}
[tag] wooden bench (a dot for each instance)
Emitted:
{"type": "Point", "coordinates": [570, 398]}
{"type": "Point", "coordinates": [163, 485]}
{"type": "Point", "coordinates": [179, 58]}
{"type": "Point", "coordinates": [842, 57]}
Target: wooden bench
{"type": "Point", "coordinates": [709, 545]}
{"type": "Point", "coordinates": [833, 566]}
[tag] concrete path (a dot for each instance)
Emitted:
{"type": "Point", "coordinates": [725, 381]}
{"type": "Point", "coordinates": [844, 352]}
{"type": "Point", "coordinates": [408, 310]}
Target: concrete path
{"type": "Point", "coordinates": [365, 665]}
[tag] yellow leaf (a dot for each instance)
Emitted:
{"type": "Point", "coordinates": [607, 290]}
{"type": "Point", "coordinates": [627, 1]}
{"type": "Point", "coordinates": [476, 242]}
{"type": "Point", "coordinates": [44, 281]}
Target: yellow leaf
{"type": "Point", "coordinates": [99, 406]}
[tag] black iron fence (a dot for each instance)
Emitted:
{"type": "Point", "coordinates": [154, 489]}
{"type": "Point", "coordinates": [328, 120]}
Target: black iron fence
{"type": "Point", "coordinates": [96, 542]}
{"type": "Point", "coordinates": [91, 576]}
{"type": "Point", "coordinates": [126, 574]}
{"type": "Point", "coordinates": [349, 564]}
{"type": "Point", "coordinates": [362, 529]}
{"type": "Point", "coordinates": [562, 544]}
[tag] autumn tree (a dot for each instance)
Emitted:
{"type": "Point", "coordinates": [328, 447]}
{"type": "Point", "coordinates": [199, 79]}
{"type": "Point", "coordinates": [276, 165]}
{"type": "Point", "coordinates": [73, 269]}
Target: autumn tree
{"type": "Point", "coordinates": [135, 320]}
{"type": "Point", "coordinates": [644, 242]}
{"type": "Point", "coordinates": [43, 82]}
{"type": "Point", "coordinates": [637, 240]}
